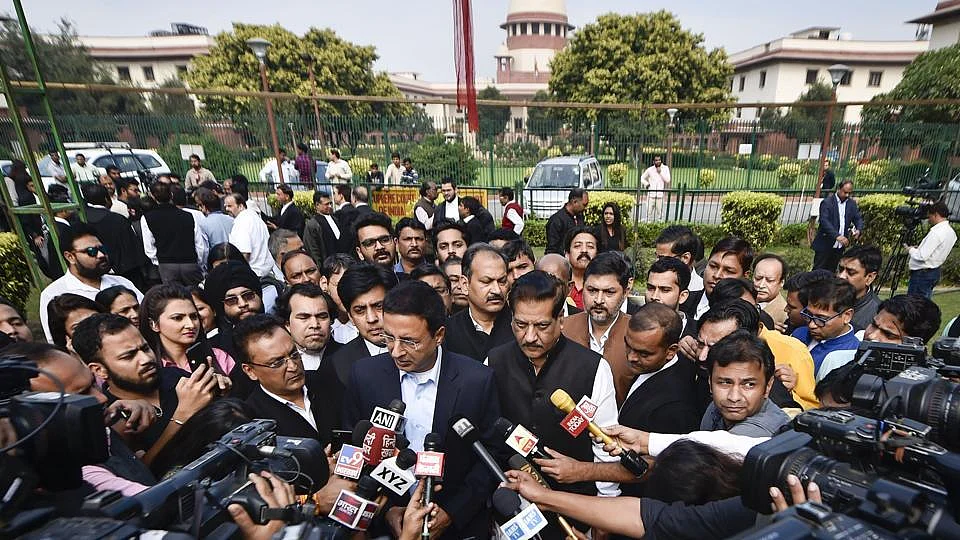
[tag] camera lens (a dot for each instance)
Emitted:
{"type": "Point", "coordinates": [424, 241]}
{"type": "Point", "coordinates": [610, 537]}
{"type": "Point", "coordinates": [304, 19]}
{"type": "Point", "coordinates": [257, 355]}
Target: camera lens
{"type": "Point", "coordinates": [840, 485]}
{"type": "Point", "coordinates": [938, 406]}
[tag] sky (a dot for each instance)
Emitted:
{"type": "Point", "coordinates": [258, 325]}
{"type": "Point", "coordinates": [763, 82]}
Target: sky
{"type": "Point", "coordinates": [417, 35]}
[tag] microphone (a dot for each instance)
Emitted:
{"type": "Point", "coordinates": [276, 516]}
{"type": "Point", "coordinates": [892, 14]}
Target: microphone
{"type": "Point", "coordinates": [629, 459]}
{"type": "Point", "coordinates": [519, 438]}
{"type": "Point", "coordinates": [390, 418]}
{"type": "Point", "coordinates": [523, 522]}
{"type": "Point", "coordinates": [518, 463]}
{"type": "Point", "coordinates": [429, 467]}
{"type": "Point", "coordinates": [394, 473]}
{"type": "Point", "coordinates": [356, 510]}
{"type": "Point", "coordinates": [468, 433]}
{"type": "Point", "coordinates": [378, 444]}
{"type": "Point", "coordinates": [350, 460]}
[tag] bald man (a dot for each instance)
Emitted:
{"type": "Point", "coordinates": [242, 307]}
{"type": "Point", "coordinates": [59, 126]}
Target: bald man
{"type": "Point", "coordinates": [559, 267]}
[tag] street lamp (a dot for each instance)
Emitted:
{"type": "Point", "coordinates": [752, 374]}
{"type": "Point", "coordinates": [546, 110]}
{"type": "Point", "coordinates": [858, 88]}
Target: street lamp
{"type": "Point", "coordinates": [837, 73]}
{"type": "Point", "coordinates": [259, 48]}
{"type": "Point", "coordinates": [671, 112]}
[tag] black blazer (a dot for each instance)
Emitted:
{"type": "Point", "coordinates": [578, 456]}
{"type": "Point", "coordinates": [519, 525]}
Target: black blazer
{"type": "Point", "coordinates": [292, 220]}
{"type": "Point", "coordinates": [347, 355]}
{"type": "Point", "coordinates": [345, 218]}
{"type": "Point", "coordinates": [665, 403]}
{"type": "Point", "coordinates": [319, 240]}
{"type": "Point", "coordinates": [465, 388]}
{"type": "Point", "coordinates": [829, 222]}
{"type": "Point", "coordinates": [123, 246]}
{"type": "Point", "coordinates": [53, 270]}
{"type": "Point", "coordinates": [689, 306]}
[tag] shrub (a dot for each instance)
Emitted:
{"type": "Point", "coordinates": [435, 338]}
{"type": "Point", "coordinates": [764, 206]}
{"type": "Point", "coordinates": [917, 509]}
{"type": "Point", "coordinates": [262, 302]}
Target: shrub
{"type": "Point", "coordinates": [434, 159]}
{"type": "Point", "coordinates": [554, 151]}
{"type": "Point", "coordinates": [950, 271]}
{"type": "Point", "coordinates": [788, 173]}
{"type": "Point", "coordinates": [360, 165]}
{"type": "Point", "coordinates": [535, 232]}
{"type": "Point", "coordinates": [593, 214]}
{"type": "Point", "coordinates": [755, 217]}
{"type": "Point", "coordinates": [616, 173]}
{"type": "Point", "coordinates": [222, 161]}
{"type": "Point", "coordinates": [302, 199]}
{"type": "Point", "coordinates": [647, 233]}
{"type": "Point", "coordinates": [792, 235]}
{"type": "Point", "coordinates": [15, 279]}
{"type": "Point", "coordinates": [869, 174]}
{"type": "Point", "coordinates": [798, 259]}
{"type": "Point", "coordinates": [706, 177]}
{"type": "Point", "coordinates": [881, 225]}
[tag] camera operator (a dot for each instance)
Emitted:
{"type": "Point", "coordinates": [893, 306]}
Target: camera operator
{"type": "Point", "coordinates": [926, 259]}
{"type": "Point", "coordinates": [122, 471]}
{"type": "Point", "coordinates": [903, 315]}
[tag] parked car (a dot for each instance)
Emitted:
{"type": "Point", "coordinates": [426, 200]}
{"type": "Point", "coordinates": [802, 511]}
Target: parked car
{"type": "Point", "coordinates": [553, 178]}
{"type": "Point", "coordinates": [5, 165]}
{"type": "Point", "coordinates": [133, 162]}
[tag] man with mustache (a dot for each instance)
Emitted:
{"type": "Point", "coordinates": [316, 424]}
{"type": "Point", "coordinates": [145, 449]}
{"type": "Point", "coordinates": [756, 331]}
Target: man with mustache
{"type": "Point", "coordinates": [411, 237]}
{"type": "Point", "coordinates": [486, 321]}
{"type": "Point", "coordinates": [119, 356]}
{"type": "Point", "coordinates": [303, 403]}
{"type": "Point", "coordinates": [450, 239]}
{"type": "Point", "coordinates": [236, 294]}
{"type": "Point", "coordinates": [88, 268]}
{"type": "Point", "coordinates": [559, 267]}
{"type": "Point", "coordinates": [362, 289]}
{"type": "Point", "coordinates": [540, 360]}
{"type": "Point", "coordinates": [581, 247]}
{"type": "Point", "coordinates": [375, 242]}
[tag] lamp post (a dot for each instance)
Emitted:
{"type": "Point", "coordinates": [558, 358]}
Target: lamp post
{"type": "Point", "coordinates": [671, 112]}
{"type": "Point", "coordinates": [837, 73]}
{"type": "Point", "coordinates": [259, 48]}
{"type": "Point", "coordinates": [308, 58]}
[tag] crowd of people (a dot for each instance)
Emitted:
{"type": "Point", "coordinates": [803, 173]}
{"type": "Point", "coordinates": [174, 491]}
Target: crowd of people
{"type": "Point", "coordinates": [316, 321]}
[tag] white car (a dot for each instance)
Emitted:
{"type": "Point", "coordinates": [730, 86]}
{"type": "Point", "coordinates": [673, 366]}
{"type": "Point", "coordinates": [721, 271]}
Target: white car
{"type": "Point", "coordinates": [131, 161]}
{"type": "Point", "coordinates": [553, 178]}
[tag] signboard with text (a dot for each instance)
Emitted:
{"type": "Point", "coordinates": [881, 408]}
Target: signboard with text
{"type": "Point", "coordinates": [398, 201]}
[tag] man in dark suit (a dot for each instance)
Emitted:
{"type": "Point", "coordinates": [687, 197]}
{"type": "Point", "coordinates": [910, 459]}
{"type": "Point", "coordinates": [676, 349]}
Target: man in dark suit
{"type": "Point", "coordinates": [486, 321]}
{"type": "Point", "coordinates": [322, 232]}
{"type": "Point", "coordinates": [449, 209]}
{"type": "Point", "coordinates": [840, 222]}
{"type": "Point", "coordinates": [437, 386]}
{"type": "Point", "coordinates": [307, 312]}
{"type": "Point", "coordinates": [345, 214]}
{"type": "Point", "coordinates": [362, 288]}
{"type": "Point", "coordinates": [304, 404]}
{"type": "Point", "coordinates": [291, 217]}
{"type": "Point", "coordinates": [360, 198]}
{"type": "Point", "coordinates": [126, 250]}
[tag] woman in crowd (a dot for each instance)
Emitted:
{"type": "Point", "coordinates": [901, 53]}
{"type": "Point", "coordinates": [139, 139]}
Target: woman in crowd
{"type": "Point", "coordinates": [693, 473]}
{"type": "Point", "coordinates": [208, 316]}
{"type": "Point", "coordinates": [612, 235]}
{"type": "Point", "coordinates": [65, 312]}
{"type": "Point", "coordinates": [120, 300]}
{"type": "Point", "coordinates": [198, 433]}
{"type": "Point", "coordinates": [222, 253]}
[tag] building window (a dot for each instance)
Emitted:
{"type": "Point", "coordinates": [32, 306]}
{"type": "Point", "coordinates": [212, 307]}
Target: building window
{"type": "Point", "coordinates": [518, 124]}
{"type": "Point", "coordinates": [739, 112]}
{"type": "Point", "coordinates": [875, 78]}
{"type": "Point", "coordinates": [556, 29]}
{"type": "Point", "coordinates": [763, 79]}
{"type": "Point", "coordinates": [535, 29]}
{"type": "Point", "coordinates": [743, 82]}
{"type": "Point", "coordinates": [523, 29]}
{"type": "Point", "coordinates": [812, 76]}
{"type": "Point", "coordinates": [148, 73]}
{"type": "Point", "coordinates": [123, 73]}
{"type": "Point", "coordinates": [845, 81]}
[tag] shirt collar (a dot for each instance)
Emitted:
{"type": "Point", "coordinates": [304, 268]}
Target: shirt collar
{"type": "Point", "coordinates": [469, 218]}
{"type": "Point", "coordinates": [359, 203]}
{"type": "Point", "coordinates": [76, 283]}
{"type": "Point", "coordinates": [643, 377]}
{"type": "Point", "coordinates": [285, 206]}
{"type": "Point", "coordinates": [476, 325]}
{"type": "Point", "coordinates": [373, 348]}
{"type": "Point", "coordinates": [306, 400]}
{"type": "Point", "coordinates": [606, 335]}
{"type": "Point", "coordinates": [432, 374]}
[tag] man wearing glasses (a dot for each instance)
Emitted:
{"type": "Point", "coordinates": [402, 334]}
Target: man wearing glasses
{"type": "Point", "coordinates": [375, 243]}
{"type": "Point", "coordinates": [828, 313]}
{"type": "Point", "coordinates": [88, 267]}
{"type": "Point", "coordinates": [235, 293]}
{"type": "Point", "coordinates": [303, 403]}
{"type": "Point", "coordinates": [437, 386]}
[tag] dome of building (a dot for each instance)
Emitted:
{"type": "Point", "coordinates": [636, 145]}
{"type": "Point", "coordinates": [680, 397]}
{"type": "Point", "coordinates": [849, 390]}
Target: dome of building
{"type": "Point", "coordinates": [538, 6]}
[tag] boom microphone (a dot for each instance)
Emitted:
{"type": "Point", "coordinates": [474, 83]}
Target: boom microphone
{"type": "Point", "coordinates": [629, 459]}
{"type": "Point", "coordinates": [468, 433]}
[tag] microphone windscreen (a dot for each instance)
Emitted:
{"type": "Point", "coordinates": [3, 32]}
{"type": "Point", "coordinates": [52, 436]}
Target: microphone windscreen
{"type": "Point", "coordinates": [506, 501]}
{"type": "Point", "coordinates": [406, 458]}
{"type": "Point", "coordinates": [465, 430]}
{"type": "Point", "coordinates": [503, 427]}
{"type": "Point", "coordinates": [562, 400]}
{"type": "Point", "coordinates": [397, 406]}
{"type": "Point", "coordinates": [432, 442]}
{"type": "Point", "coordinates": [360, 432]}
{"type": "Point", "coordinates": [378, 445]}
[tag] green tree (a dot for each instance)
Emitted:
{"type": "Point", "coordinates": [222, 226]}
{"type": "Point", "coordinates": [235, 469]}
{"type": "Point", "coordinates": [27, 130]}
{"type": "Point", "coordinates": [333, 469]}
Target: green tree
{"type": "Point", "coordinates": [435, 158]}
{"type": "Point", "coordinates": [641, 58]}
{"type": "Point", "coordinates": [806, 124]}
{"type": "Point", "coordinates": [493, 118]}
{"type": "Point", "coordinates": [172, 104]}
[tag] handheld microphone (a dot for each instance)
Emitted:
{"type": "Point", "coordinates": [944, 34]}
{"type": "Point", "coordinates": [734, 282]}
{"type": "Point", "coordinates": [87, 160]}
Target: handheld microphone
{"type": "Point", "coordinates": [378, 445]}
{"type": "Point", "coordinates": [468, 433]}
{"type": "Point", "coordinates": [350, 459]}
{"type": "Point", "coordinates": [390, 418]}
{"type": "Point", "coordinates": [629, 459]}
{"type": "Point", "coordinates": [430, 467]}
{"type": "Point", "coordinates": [524, 523]}
{"type": "Point", "coordinates": [360, 432]}
{"type": "Point", "coordinates": [519, 438]}
{"type": "Point", "coordinates": [356, 510]}
{"type": "Point", "coordinates": [394, 473]}
{"type": "Point", "coordinates": [517, 462]}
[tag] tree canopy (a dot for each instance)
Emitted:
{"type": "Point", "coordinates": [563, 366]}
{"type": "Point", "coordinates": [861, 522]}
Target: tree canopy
{"type": "Point", "coordinates": [340, 68]}
{"type": "Point", "coordinates": [932, 75]}
{"type": "Point", "coordinates": [493, 118]}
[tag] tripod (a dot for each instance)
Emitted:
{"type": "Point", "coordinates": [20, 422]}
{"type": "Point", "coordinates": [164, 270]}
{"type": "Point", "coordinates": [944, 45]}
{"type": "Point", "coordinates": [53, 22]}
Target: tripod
{"type": "Point", "coordinates": [893, 271]}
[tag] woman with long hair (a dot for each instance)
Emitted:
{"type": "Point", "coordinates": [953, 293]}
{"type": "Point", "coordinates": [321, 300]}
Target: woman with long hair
{"type": "Point", "coordinates": [170, 322]}
{"type": "Point", "coordinates": [222, 253]}
{"type": "Point", "coordinates": [120, 300]}
{"type": "Point", "coordinates": [65, 312]}
{"type": "Point", "coordinates": [693, 473]}
{"type": "Point", "coordinates": [202, 429]}
{"type": "Point", "coordinates": [612, 235]}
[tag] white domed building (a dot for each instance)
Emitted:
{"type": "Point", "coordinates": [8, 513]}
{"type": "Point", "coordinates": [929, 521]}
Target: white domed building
{"type": "Point", "coordinates": [536, 30]}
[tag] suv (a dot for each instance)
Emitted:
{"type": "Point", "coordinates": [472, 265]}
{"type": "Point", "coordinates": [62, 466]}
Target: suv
{"type": "Point", "coordinates": [553, 178]}
{"type": "Point", "coordinates": [133, 162]}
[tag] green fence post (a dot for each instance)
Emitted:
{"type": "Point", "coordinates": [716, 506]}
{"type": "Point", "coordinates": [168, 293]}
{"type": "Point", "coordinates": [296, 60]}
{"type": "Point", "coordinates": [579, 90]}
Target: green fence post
{"type": "Point", "coordinates": [753, 143]}
{"type": "Point", "coordinates": [701, 128]}
{"type": "Point", "coordinates": [493, 181]}
{"type": "Point", "coordinates": [386, 139]}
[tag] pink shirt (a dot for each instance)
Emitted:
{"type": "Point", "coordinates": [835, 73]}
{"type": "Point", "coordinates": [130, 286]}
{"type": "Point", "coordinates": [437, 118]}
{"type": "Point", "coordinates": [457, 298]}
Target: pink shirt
{"type": "Point", "coordinates": [224, 361]}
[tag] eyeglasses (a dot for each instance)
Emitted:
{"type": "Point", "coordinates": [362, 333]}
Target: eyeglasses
{"type": "Point", "coordinates": [294, 357]}
{"type": "Point", "coordinates": [442, 291]}
{"type": "Point", "coordinates": [406, 344]}
{"type": "Point", "coordinates": [816, 319]}
{"type": "Point", "coordinates": [247, 296]}
{"type": "Point", "coordinates": [384, 240]}
{"type": "Point", "coordinates": [91, 251]}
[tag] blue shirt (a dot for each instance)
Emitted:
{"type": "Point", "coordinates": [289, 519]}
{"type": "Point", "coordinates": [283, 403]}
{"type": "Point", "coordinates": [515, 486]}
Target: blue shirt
{"type": "Point", "coordinates": [820, 349]}
{"type": "Point", "coordinates": [216, 226]}
{"type": "Point", "coordinates": [419, 392]}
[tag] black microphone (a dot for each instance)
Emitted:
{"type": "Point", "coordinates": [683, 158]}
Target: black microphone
{"type": "Point", "coordinates": [518, 463]}
{"type": "Point", "coordinates": [507, 504]}
{"type": "Point", "coordinates": [468, 433]}
{"type": "Point", "coordinates": [518, 441]}
{"type": "Point", "coordinates": [431, 443]}
{"type": "Point", "coordinates": [360, 432]}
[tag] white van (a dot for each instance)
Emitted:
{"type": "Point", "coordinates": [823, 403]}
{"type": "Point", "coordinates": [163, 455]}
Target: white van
{"type": "Point", "coordinates": [553, 178]}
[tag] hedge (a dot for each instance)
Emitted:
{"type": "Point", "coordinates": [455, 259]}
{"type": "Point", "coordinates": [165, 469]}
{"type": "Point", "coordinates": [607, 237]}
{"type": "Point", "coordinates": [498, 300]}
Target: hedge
{"type": "Point", "coordinates": [15, 280]}
{"type": "Point", "coordinates": [881, 224]}
{"type": "Point", "coordinates": [302, 199]}
{"type": "Point", "coordinates": [535, 232]}
{"type": "Point", "coordinates": [593, 214]}
{"type": "Point", "coordinates": [792, 235]}
{"type": "Point", "coordinates": [755, 217]}
{"type": "Point", "coordinates": [222, 161]}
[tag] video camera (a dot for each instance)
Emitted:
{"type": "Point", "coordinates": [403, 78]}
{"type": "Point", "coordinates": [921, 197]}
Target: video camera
{"type": "Point", "coordinates": [921, 198]}
{"type": "Point", "coordinates": [887, 360]}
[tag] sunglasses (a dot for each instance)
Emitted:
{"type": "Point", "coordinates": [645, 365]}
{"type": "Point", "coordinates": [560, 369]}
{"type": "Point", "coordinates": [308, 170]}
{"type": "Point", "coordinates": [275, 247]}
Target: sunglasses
{"type": "Point", "coordinates": [247, 296]}
{"type": "Point", "coordinates": [91, 251]}
{"type": "Point", "coordinates": [820, 322]}
{"type": "Point", "coordinates": [384, 240]}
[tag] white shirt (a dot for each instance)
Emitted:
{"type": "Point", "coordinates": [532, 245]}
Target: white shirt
{"type": "Point", "coordinates": [290, 172]}
{"type": "Point", "coordinates": [120, 207]}
{"type": "Point", "coordinates": [87, 173]}
{"type": "Point", "coordinates": [339, 170]}
{"type": "Point", "coordinates": [597, 346]}
{"type": "Point", "coordinates": [198, 218]}
{"type": "Point", "coordinates": [419, 392]}
{"type": "Point", "coordinates": [935, 247]}
{"type": "Point", "coordinates": [422, 217]}
{"type": "Point", "coordinates": [722, 440]}
{"type": "Point", "coordinates": [392, 176]}
{"type": "Point", "coordinates": [150, 242]}
{"type": "Point", "coordinates": [57, 171]}
{"type": "Point", "coordinates": [250, 236]}
{"type": "Point", "coordinates": [452, 209]}
{"type": "Point", "coordinates": [344, 332]}
{"type": "Point", "coordinates": [69, 283]}
{"type": "Point", "coordinates": [696, 282]}
{"type": "Point", "coordinates": [304, 411]}
{"type": "Point", "coordinates": [702, 307]}
{"type": "Point", "coordinates": [333, 225]}
{"type": "Point", "coordinates": [477, 326]}
{"type": "Point", "coordinates": [604, 394]}
{"type": "Point", "coordinates": [842, 212]}
{"type": "Point", "coordinates": [656, 181]}
{"type": "Point", "coordinates": [517, 220]}
{"type": "Point", "coordinates": [373, 348]}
